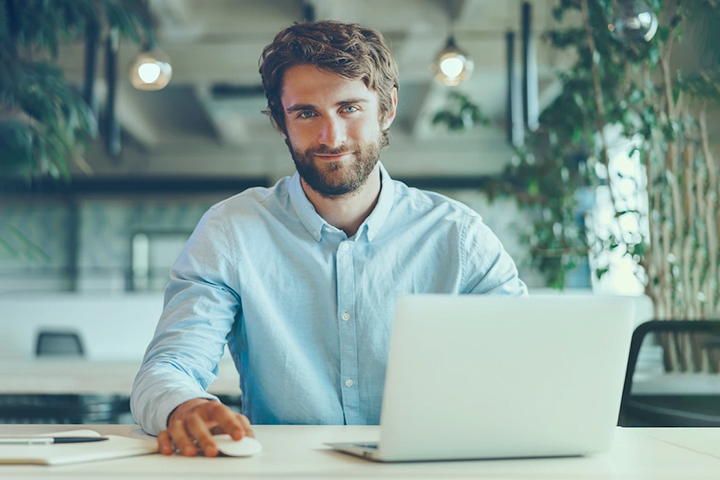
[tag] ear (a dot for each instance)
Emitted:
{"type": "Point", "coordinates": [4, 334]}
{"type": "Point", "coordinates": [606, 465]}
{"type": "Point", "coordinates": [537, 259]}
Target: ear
{"type": "Point", "coordinates": [391, 114]}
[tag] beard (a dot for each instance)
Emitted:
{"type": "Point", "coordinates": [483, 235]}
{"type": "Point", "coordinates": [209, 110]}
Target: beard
{"type": "Point", "coordinates": [342, 177]}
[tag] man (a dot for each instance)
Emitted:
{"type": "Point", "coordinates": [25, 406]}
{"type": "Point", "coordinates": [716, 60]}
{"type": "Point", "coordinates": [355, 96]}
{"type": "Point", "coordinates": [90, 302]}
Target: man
{"type": "Point", "coordinates": [301, 279]}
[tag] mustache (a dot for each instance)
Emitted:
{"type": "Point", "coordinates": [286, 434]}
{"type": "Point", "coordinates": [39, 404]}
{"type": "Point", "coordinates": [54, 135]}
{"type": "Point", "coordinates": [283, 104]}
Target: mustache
{"type": "Point", "coordinates": [324, 150]}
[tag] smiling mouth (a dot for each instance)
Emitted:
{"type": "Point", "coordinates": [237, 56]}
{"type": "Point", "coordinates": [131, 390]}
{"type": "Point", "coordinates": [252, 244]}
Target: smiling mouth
{"type": "Point", "coordinates": [333, 157]}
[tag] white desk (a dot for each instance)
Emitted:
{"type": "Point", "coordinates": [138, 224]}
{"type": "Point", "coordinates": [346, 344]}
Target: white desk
{"type": "Point", "coordinates": [82, 377]}
{"type": "Point", "coordinates": [298, 452]}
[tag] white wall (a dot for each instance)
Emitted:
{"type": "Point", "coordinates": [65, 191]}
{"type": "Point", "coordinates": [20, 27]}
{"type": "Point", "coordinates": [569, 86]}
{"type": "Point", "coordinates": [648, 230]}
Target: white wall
{"type": "Point", "coordinates": [112, 327]}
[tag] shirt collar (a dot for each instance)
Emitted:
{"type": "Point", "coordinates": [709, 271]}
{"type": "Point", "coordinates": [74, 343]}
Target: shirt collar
{"type": "Point", "coordinates": [314, 223]}
{"type": "Point", "coordinates": [377, 217]}
{"type": "Point", "coordinates": [305, 210]}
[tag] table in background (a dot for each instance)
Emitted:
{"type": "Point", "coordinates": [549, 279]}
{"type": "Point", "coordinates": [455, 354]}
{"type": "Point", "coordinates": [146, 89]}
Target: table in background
{"type": "Point", "coordinates": [59, 376]}
{"type": "Point", "coordinates": [82, 391]}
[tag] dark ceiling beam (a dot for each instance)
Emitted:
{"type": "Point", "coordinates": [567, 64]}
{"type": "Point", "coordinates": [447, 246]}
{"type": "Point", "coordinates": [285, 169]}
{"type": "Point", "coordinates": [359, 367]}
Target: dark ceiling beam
{"type": "Point", "coordinates": [188, 186]}
{"type": "Point", "coordinates": [133, 185]}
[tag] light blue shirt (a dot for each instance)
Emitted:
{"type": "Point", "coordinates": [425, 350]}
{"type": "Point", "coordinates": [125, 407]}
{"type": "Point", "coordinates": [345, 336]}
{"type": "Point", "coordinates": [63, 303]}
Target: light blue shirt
{"type": "Point", "coordinates": [306, 311]}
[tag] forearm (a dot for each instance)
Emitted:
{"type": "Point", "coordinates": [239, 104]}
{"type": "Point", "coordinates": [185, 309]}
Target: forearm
{"type": "Point", "coordinates": [158, 390]}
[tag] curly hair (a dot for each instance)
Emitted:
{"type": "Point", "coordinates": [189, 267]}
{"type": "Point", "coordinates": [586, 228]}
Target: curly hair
{"type": "Point", "coordinates": [348, 50]}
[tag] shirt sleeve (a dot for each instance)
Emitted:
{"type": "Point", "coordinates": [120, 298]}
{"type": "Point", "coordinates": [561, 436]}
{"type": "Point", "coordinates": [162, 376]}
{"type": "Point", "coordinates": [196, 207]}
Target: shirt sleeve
{"type": "Point", "coordinates": [488, 269]}
{"type": "Point", "coordinates": [200, 309]}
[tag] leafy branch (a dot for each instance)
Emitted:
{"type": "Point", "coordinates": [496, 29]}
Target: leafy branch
{"type": "Point", "coordinates": [44, 123]}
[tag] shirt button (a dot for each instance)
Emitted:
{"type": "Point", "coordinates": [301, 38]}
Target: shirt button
{"type": "Point", "coordinates": [328, 229]}
{"type": "Point", "coordinates": [344, 247]}
{"type": "Point", "coordinates": [346, 316]}
{"type": "Point", "coordinates": [315, 233]}
{"type": "Point", "coordinates": [349, 382]}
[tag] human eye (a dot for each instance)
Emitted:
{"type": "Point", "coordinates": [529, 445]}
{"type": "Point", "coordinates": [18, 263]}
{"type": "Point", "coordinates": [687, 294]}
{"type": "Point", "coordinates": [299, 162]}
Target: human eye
{"type": "Point", "coordinates": [350, 109]}
{"type": "Point", "coordinates": [306, 114]}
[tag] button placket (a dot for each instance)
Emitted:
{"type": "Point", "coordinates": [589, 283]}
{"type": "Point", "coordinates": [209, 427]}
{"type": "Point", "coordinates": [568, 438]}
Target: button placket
{"type": "Point", "coordinates": [346, 329]}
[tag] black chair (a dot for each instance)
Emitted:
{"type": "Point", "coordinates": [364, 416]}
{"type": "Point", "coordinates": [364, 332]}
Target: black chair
{"type": "Point", "coordinates": [59, 343]}
{"type": "Point", "coordinates": [674, 408]}
{"type": "Point", "coordinates": [63, 408]}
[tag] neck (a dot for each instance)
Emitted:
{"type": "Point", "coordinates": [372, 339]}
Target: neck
{"type": "Point", "coordinates": [349, 211]}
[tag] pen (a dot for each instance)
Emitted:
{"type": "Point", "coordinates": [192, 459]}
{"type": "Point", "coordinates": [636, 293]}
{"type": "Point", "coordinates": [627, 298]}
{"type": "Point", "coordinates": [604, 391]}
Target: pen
{"type": "Point", "coordinates": [47, 440]}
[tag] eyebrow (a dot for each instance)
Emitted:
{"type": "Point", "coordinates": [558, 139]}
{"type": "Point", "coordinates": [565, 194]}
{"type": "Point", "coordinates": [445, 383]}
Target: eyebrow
{"type": "Point", "coordinates": [303, 106]}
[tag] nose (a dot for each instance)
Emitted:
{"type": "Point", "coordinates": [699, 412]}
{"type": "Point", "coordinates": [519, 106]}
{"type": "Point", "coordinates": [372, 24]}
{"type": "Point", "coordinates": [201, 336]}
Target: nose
{"type": "Point", "coordinates": [333, 133]}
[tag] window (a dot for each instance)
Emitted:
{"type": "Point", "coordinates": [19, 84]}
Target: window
{"type": "Point", "coordinates": [153, 254]}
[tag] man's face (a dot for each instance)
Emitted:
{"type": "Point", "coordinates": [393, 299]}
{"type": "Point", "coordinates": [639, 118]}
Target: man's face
{"type": "Point", "coordinates": [333, 129]}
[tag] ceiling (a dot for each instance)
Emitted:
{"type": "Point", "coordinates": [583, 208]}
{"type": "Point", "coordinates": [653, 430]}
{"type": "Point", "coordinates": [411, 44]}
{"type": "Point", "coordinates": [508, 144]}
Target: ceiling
{"type": "Point", "coordinates": [212, 106]}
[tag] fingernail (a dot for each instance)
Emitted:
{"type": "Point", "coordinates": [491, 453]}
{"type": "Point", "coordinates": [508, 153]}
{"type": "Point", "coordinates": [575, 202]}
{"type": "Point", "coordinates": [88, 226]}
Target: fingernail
{"type": "Point", "coordinates": [189, 451]}
{"type": "Point", "coordinates": [211, 452]}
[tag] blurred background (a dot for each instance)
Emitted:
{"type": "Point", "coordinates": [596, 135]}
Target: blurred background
{"type": "Point", "coordinates": [585, 132]}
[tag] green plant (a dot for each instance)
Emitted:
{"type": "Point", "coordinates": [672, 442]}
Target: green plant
{"type": "Point", "coordinates": [43, 120]}
{"type": "Point", "coordinates": [459, 113]}
{"type": "Point", "coordinates": [665, 211]}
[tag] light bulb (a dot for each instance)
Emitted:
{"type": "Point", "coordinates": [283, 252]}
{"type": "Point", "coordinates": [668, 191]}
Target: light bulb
{"type": "Point", "coordinates": [452, 67]}
{"type": "Point", "coordinates": [633, 20]}
{"type": "Point", "coordinates": [149, 72]}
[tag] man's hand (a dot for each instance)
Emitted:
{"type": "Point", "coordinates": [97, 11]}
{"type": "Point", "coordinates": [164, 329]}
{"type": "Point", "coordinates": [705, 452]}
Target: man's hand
{"type": "Point", "coordinates": [199, 419]}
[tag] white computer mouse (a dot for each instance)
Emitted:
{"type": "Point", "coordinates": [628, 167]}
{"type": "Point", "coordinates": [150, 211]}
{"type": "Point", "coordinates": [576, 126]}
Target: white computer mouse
{"type": "Point", "coordinates": [245, 447]}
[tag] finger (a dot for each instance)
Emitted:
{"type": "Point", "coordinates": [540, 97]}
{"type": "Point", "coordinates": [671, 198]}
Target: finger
{"type": "Point", "coordinates": [222, 416]}
{"type": "Point", "coordinates": [180, 438]}
{"type": "Point", "coordinates": [164, 444]}
{"type": "Point", "coordinates": [199, 430]}
{"type": "Point", "coordinates": [247, 425]}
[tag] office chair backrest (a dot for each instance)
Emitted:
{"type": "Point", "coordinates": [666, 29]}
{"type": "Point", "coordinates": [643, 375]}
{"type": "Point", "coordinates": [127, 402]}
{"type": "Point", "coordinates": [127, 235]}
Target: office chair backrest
{"type": "Point", "coordinates": [59, 343]}
{"type": "Point", "coordinates": [688, 347]}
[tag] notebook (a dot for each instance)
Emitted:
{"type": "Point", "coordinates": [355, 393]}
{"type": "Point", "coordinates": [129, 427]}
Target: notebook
{"type": "Point", "coordinates": [62, 454]}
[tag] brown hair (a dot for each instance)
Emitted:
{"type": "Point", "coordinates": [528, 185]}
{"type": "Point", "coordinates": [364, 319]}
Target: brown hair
{"type": "Point", "coordinates": [348, 50]}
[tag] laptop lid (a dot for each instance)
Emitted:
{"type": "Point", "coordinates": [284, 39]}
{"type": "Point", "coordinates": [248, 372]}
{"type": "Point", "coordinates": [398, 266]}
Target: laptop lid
{"type": "Point", "coordinates": [479, 376]}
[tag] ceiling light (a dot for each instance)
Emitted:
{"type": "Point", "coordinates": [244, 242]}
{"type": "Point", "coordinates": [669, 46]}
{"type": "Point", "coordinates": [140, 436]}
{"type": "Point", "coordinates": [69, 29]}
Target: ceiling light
{"type": "Point", "coordinates": [151, 70]}
{"type": "Point", "coordinates": [452, 65]}
{"type": "Point", "coordinates": [633, 20]}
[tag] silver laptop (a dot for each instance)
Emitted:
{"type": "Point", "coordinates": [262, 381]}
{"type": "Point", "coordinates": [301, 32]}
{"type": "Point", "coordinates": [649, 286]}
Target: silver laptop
{"type": "Point", "coordinates": [479, 376]}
